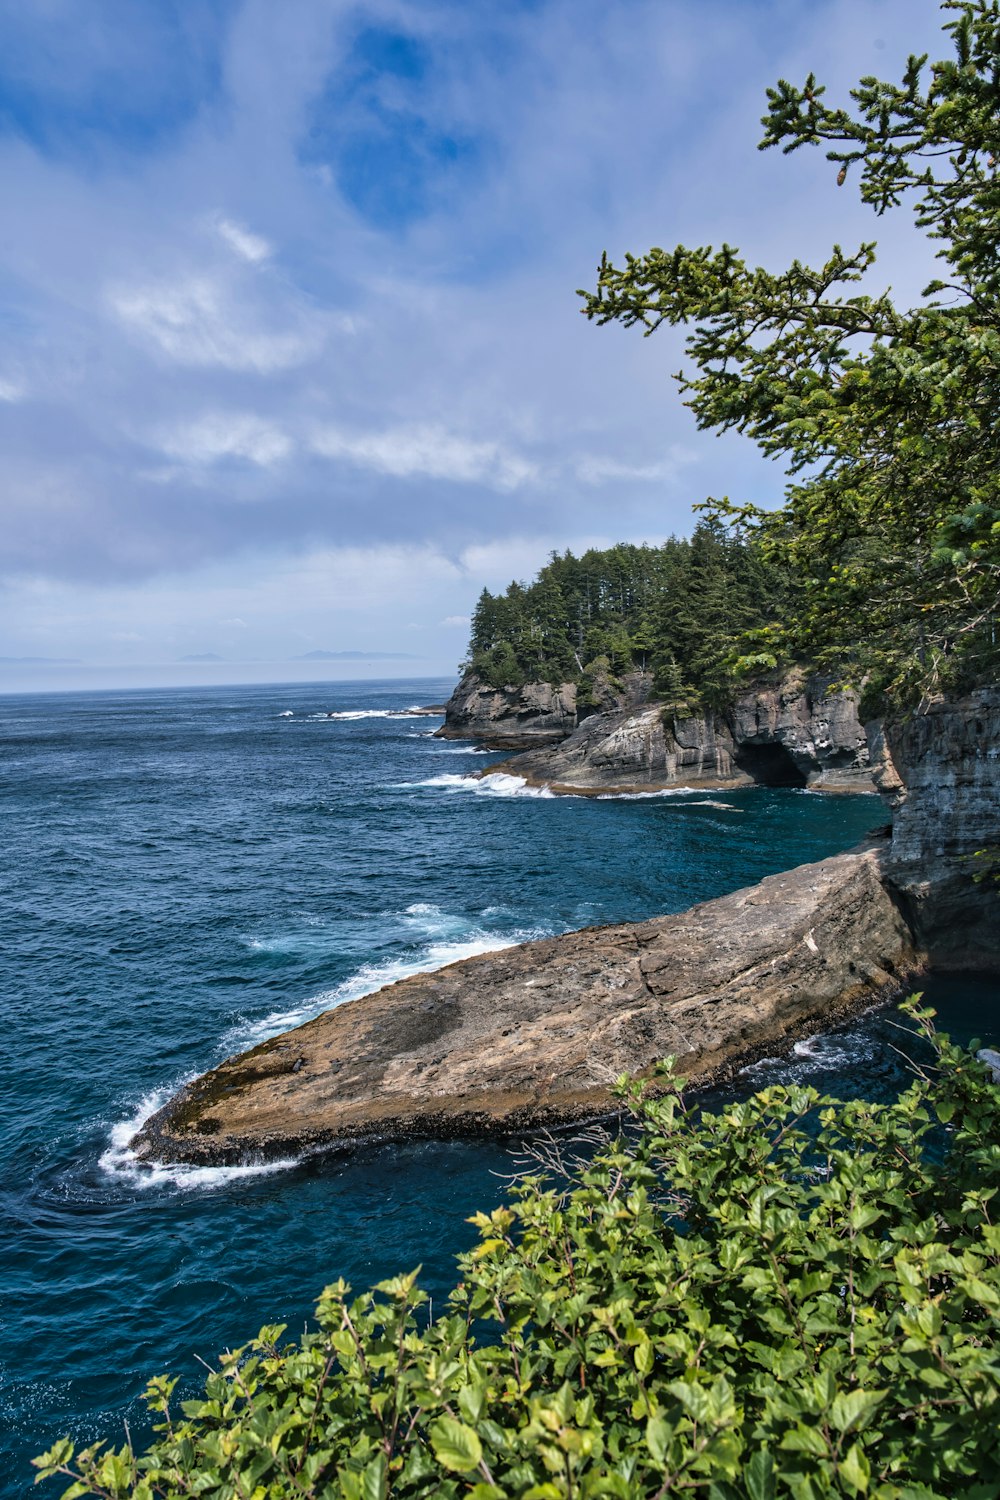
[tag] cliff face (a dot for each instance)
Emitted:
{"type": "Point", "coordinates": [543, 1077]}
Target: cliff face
{"type": "Point", "coordinates": [539, 713]}
{"type": "Point", "coordinates": [790, 732]}
{"type": "Point", "coordinates": [939, 771]}
{"type": "Point", "coordinates": [539, 1033]}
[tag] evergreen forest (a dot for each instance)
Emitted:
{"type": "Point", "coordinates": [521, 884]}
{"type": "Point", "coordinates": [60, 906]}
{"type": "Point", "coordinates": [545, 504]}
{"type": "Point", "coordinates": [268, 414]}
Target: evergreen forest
{"type": "Point", "coordinates": [682, 611]}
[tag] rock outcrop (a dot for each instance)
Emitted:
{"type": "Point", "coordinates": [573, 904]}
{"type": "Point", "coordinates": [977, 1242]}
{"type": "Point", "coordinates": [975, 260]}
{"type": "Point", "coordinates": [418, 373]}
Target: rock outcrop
{"type": "Point", "coordinates": [789, 732]}
{"type": "Point", "coordinates": [939, 770]}
{"type": "Point", "coordinates": [510, 718]}
{"type": "Point", "coordinates": [539, 713]}
{"type": "Point", "coordinates": [537, 1034]}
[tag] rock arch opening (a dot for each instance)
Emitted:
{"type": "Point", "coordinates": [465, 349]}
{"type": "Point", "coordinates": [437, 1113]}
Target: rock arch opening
{"type": "Point", "coordinates": [769, 765]}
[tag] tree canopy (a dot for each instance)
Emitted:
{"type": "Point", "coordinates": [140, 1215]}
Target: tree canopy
{"type": "Point", "coordinates": [888, 418]}
{"type": "Point", "coordinates": [679, 611]}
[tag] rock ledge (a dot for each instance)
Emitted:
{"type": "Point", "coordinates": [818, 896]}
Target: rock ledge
{"type": "Point", "coordinates": [537, 1034]}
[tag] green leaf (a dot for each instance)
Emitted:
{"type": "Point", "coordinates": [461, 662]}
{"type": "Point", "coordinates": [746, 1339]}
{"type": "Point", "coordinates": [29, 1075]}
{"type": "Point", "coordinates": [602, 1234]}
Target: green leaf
{"type": "Point", "coordinates": [455, 1445]}
{"type": "Point", "coordinates": [855, 1470]}
{"type": "Point", "coordinates": [658, 1435]}
{"type": "Point", "coordinates": [758, 1475]}
{"type": "Point", "coordinates": [854, 1408]}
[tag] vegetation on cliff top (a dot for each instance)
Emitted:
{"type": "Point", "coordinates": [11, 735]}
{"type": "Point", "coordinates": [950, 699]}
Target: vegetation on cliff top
{"type": "Point", "coordinates": [888, 417]}
{"type": "Point", "coordinates": [679, 611]}
{"type": "Point", "coordinates": [792, 1298]}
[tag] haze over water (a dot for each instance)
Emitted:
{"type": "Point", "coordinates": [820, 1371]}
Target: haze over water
{"type": "Point", "coordinates": [190, 871]}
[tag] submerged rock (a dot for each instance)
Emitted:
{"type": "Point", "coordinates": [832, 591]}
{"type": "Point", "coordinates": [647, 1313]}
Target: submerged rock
{"type": "Point", "coordinates": [538, 1034]}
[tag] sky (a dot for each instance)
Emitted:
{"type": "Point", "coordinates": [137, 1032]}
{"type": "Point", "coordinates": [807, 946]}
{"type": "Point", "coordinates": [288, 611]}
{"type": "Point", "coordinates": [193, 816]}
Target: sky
{"type": "Point", "coordinates": [291, 356]}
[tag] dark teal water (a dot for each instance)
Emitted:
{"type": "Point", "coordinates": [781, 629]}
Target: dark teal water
{"type": "Point", "coordinates": [186, 872]}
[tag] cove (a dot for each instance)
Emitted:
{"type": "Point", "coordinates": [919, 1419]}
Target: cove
{"type": "Point", "coordinates": [191, 871]}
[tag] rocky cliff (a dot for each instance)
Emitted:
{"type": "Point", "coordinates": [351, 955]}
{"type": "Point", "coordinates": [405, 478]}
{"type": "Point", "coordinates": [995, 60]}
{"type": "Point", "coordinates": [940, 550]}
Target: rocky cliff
{"type": "Point", "coordinates": [791, 731]}
{"type": "Point", "coordinates": [539, 713]}
{"type": "Point", "coordinates": [938, 768]}
{"type": "Point", "coordinates": [538, 1034]}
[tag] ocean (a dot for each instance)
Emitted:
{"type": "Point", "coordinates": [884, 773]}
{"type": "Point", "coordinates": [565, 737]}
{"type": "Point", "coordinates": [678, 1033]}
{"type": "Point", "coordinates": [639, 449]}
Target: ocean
{"type": "Point", "coordinates": [190, 871]}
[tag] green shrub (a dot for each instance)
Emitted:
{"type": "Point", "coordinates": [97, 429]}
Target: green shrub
{"type": "Point", "coordinates": [793, 1297]}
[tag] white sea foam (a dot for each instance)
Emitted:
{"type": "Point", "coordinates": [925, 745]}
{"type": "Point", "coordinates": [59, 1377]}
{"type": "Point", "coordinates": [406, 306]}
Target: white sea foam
{"type": "Point", "coordinates": [687, 792]}
{"type": "Point", "coordinates": [122, 1163]}
{"type": "Point", "coordinates": [453, 749]}
{"type": "Point", "coordinates": [365, 981]}
{"type": "Point", "coordinates": [287, 714]}
{"type": "Point", "coordinates": [372, 713]}
{"type": "Point", "coordinates": [493, 784]}
{"type": "Point", "coordinates": [818, 1054]}
{"type": "Point", "coordinates": [438, 938]}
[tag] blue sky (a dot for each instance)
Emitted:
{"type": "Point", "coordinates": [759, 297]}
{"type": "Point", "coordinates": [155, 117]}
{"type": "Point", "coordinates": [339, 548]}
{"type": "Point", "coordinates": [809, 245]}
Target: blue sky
{"type": "Point", "coordinates": [291, 357]}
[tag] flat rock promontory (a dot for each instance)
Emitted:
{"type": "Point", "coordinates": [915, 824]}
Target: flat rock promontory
{"type": "Point", "coordinates": [538, 1034]}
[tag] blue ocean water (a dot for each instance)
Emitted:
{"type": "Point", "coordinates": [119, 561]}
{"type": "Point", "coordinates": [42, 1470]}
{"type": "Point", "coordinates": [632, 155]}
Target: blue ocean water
{"type": "Point", "coordinates": [189, 871]}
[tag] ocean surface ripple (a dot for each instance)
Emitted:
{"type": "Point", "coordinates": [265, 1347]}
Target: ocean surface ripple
{"type": "Point", "coordinates": [191, 871]}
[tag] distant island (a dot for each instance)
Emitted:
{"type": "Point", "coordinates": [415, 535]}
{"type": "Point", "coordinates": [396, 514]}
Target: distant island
{"type": "Point", "coordinates": [37, 661]}
{"type": "Point", "coordinates": [355, 656]}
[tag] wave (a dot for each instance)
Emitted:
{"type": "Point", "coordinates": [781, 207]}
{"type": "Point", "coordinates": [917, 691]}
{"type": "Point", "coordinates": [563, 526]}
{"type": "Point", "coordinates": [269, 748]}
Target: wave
{"type": "Point", "coordinates": [435, 938]}
{"type": "Point", "coordinates": [493, 784]}
{"type": "Point", "coordinates": [374, 713]}
{"type": "Point", "coordinates": [688, 792]}
{"type": "Point", "coordinates": [121, 1163]}
{"type": "Point", "coordinates": [437, 953]}
{"type": "Point", "coordinates": [849, 1050]}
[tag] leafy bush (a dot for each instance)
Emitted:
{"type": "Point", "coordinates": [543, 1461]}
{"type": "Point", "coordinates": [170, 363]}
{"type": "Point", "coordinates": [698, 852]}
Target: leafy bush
{"type": "Point", "coordinates": [793, 1297]}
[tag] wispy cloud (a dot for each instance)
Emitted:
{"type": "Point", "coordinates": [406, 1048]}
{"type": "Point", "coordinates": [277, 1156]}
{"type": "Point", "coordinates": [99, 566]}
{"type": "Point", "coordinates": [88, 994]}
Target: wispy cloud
{"type": "Point", "coordinates": [223, 435]}
{"type": "Point", "coordinates": [428, 451]}
{"type": "Point", "coordinates": [196, 320]}
{"type": "Point", "coordinates": [252, 247]}
{"type": "Point", "coordinates": [598, 471]}
{"type": "Point", "coordinates": [328, 268]}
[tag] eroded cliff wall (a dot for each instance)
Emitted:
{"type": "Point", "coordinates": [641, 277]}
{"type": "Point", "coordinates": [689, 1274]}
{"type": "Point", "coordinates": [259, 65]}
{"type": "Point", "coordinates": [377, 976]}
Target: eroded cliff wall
{"type": "Point", "coordinates": [938, 769]}
{"type": "Point", "coordinates": [791, 731]}
{"type": "Point", "coordinates": [536, 714]}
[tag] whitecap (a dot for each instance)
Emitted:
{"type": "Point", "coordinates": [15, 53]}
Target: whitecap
{"type": "Point", "coordinates": [120, 1161]}
{"type": "Point", "coordinates": [493, 784]}
{"type": "Point", "coordinates": [287, 714]}
{"type": "Point", "coordinates": [373, 713]}
{"type": "Point", "coordinates": [436, 954]}
{"type": "Point", "coordinates": [690, 792]}
{"type": "Point", "coordinates": [818, 1054]}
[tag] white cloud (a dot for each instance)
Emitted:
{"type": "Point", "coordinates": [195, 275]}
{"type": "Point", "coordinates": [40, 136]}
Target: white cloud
{"type": "Point", "coordinates": [457, 620]}
{"type": "Point", "coordinates": [222, 435]}
{"type": "Point", "coordinates": [252, 247]}
{"type": "Point", "coordinates": [428, 451]}
{"type": "Point", "coordinates": [195, 320]}
{"type": "Point", "coordinates": [11, 390]}
{"type": "Point", "coordinates": [595, 470]}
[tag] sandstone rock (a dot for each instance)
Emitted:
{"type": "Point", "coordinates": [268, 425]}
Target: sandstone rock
{"type": "Point", "coordinates": [791, 732]}
{"type": "Point", "coordinates": [538, 713]}
{"type": "Point", "coordinates": [537, 1034]}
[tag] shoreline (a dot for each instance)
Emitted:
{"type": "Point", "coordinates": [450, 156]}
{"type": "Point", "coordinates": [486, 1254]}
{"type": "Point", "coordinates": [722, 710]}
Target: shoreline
{"type": "Point", "coordinates": [458, 1127]}
{"type": "Point", "coordinates": [864, 788]}
{"type": "Point", "coordinates": [537, 1034]}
